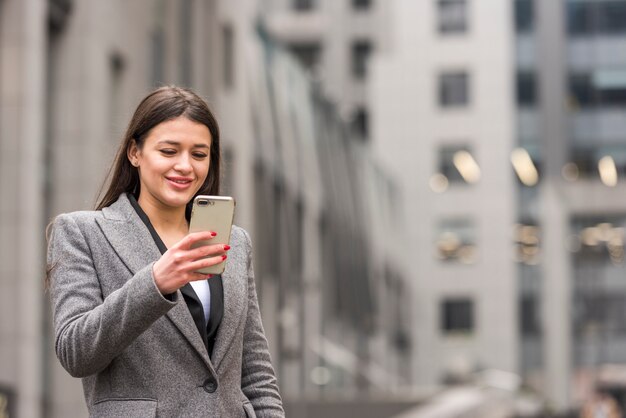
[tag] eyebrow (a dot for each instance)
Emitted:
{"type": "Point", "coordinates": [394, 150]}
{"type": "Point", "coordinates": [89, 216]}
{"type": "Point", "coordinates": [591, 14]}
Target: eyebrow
{"type": "Point", "coordinates": [171, 142]}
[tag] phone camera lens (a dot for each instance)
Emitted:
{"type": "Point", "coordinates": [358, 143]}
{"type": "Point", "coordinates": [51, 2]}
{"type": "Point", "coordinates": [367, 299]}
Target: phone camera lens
{"type": "Point", "coordinates": [202, 202]}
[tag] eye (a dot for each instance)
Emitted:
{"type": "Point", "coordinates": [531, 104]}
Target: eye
{"type": "Point", "coordinates": [168, 151]}
{"type": "Point", "coordinates": [199, 155]}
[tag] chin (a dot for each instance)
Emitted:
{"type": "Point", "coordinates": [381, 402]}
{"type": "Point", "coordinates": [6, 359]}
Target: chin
{"type": "Point", "coordinates": [177, 201]}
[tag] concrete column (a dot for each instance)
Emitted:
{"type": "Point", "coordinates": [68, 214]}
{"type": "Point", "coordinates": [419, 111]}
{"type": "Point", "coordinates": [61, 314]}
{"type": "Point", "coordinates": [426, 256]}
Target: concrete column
{"type": "Point", "coordinates": [22, 96]}
{"type": "Point", "coordinates": [556, 300]}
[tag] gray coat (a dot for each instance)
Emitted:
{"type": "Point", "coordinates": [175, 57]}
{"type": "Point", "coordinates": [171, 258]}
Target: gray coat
{"type": "Point", "coordinates": [138, 353]}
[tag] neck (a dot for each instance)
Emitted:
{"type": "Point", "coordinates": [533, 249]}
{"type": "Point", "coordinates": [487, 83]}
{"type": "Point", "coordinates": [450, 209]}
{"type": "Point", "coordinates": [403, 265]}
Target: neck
{"type": "Point", "coordinates": [163, 218]}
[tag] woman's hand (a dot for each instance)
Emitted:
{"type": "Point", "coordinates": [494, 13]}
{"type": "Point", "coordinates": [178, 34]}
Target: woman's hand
{"type": "Point", "coordinates": [179, 265]}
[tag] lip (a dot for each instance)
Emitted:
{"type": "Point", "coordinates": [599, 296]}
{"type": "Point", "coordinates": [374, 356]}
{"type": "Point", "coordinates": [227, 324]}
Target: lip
{"type": "Point", "coordinates": [179, 183]}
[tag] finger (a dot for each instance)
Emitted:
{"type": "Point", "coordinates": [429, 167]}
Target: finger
{"type": "Point", "coordinates": [206, 251]}
{"type": "Point", "coordinates": [197, 276]}
{"type": "Point", "coordinates": [205, 262]}
{"type": "Point", "coordinates": [194, 237]}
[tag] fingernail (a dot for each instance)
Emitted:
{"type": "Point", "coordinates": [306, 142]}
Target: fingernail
{"type": "Point", "coordinates": [224, 257]}
{"type": "Point", "coordinates": [213, 233]}
{"type": "Point", "coordinates": [209, 276]}
{"type": "Point", "coordinates": [226, 247]}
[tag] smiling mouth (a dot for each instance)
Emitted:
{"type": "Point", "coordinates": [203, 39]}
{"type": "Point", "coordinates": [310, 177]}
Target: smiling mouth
{"type": "Point", "coordinates": [182, 182]}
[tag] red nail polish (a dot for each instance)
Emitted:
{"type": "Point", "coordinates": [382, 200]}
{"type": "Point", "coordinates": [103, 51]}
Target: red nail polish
{"type": "Point", "coordinates": [213, 234]}
{"type": "Point", "coordinates": [224, 257]}
{"type": "Point", "coordinates": [226, 247]}
{"type": "Point", "coordinates": [209, 276]}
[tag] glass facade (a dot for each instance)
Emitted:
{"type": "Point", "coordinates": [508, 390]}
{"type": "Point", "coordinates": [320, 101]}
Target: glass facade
{"type": "Point", "coordinates": [596, 17]}
{"type": "Point", "coordinates": [527, 232]}
{"type": "Point", "coordinates": [594, 162]}
{"type": "Point", "coordinates": [599, 295]}
{"type": "Point", "coordinates": [596, 88]}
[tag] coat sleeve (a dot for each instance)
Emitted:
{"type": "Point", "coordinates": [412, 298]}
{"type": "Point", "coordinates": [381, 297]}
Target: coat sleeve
{"type": "Point", "coordinates": [258, 380]}
{"type": "Point", "coordinates": [90, 331]}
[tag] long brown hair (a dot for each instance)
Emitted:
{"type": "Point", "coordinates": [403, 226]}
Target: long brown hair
{"type": "Point", "coordinates": [161, 105]}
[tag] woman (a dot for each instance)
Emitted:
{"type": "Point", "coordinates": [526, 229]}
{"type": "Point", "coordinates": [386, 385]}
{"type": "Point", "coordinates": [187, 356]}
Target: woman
{"type": "Point", "coordinates": [148, 335]}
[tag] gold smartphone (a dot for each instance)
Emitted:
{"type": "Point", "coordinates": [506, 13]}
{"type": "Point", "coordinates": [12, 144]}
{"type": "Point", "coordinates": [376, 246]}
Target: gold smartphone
{"type": "Point", "coordinates": [213, 213]}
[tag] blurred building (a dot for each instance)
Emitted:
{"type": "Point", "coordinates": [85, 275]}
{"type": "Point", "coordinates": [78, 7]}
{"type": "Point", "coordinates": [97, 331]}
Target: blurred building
{"type": "Point", "coordinates": [444, 123]}
{"type": "Point", "coordinates": [505, 120]}
{"type": "Point", "coordinates": [334, 40]}
{"type": "Point", "coordinates": [331, 286]}
{"type": "Point", "coordinates": [579, 110]}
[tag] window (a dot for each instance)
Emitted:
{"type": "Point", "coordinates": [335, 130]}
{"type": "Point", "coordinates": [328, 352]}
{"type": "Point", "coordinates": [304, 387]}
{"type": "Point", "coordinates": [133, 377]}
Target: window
{"type": "Point", "coordinates": [452, 16]}
{"type": "Point", "coordinates": [529, 316]}
{"type": "Point", "coordinates": [454, 89]}
{"type": "Point", "coordinates": [598, 88]}
{"type": "Point", "coordinates": [526, 88]}
{"type": "Point", "coordinates": [456, 241]}
{"type": "Point", "coordinates": [527, 243]}
{"type": "Point", "coordinates": [457, 315]}
{"type": "Point", "coordinates": [598, 241]}
{"type": "Point", "coordinates": [597, 251]}
{"type": "Point", "coordinates": [360, 53]}
{"type": "Point", "coordinates": [228, 167]}
{"type": "Point", "coordinates": [307, 54]}
{"type": "Point", "coordinates": [602, 312]}
{"type": "Point", "coordinates": [228, 62]}
{"type": "Point", "coordinates": [186, 29]}
{"type": "Point", "coordinates": [596, 17]}
{"type": "Point", "coordinates": [303, 5]}
{"type": "Point", "coordinates": [59, 12]}
{"type": "Point", "coordinates": [524, 15]}
{"type": "Point", "coordinates": [157, 45]}
{"type": "Point", "coordinates": [360, 123]}
{"type": "Point", "coordinates": [586, 159]}
{"type": "Point", "coordinates": [157, 67]}
{"type": "Point", "coordinates": [116, 74]}
{"type": "Point", "coordinates": [458, 165]}
{"type": "Point", "coordinates": [361, 4]}
{"type": "Point", "coordinates": [581, 91]}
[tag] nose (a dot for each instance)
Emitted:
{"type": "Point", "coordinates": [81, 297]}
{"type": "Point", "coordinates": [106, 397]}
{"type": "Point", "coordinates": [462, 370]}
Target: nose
{"type": "Point", "coordinates": [183, 163]}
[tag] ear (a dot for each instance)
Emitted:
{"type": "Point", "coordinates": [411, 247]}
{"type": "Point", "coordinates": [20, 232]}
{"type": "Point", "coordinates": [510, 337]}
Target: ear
{"type": "Point", "coordinates": [132, 153]}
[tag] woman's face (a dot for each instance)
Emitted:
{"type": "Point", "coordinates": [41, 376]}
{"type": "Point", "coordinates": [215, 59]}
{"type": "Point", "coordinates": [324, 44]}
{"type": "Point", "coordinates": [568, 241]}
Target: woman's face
{"type": "Point", "coordinates": [173, 162]}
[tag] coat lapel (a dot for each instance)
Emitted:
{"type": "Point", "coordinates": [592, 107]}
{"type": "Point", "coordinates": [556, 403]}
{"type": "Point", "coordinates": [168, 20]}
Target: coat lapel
{"type": "Point", "coordinates": [134, 245]}
{"type": "Point", "coordinates": [235, 301]}
{"type": "Point", "coordinates": [182, 319]}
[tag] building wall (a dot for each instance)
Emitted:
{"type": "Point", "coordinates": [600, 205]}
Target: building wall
{"type": "Point", "coordinates": [409, 129]}
{"type": "Point", "coordinates": [568, 332]}
{"type": "Point", "coordinates": [22, 118]}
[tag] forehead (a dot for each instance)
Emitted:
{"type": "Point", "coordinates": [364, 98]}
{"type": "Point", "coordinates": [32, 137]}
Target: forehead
{"type": "Point", "coordinates": [180, 129]}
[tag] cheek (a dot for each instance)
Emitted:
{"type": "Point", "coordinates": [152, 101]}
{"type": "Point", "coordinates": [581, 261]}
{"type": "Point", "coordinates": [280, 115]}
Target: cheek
{"type": "Point", "coordinates": [153, 168]}
{"type": "Point", "coordinates": [203, 171]}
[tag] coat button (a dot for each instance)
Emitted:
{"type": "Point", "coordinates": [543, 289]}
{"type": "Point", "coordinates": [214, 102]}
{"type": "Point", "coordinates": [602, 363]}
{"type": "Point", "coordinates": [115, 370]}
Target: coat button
{"type": "Point", "coordinates": [210, 385]}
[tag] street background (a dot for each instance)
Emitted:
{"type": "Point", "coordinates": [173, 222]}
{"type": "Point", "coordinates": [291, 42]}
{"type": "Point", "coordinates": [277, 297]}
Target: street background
{"type": "Point", "coordinates": [434, 188]}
